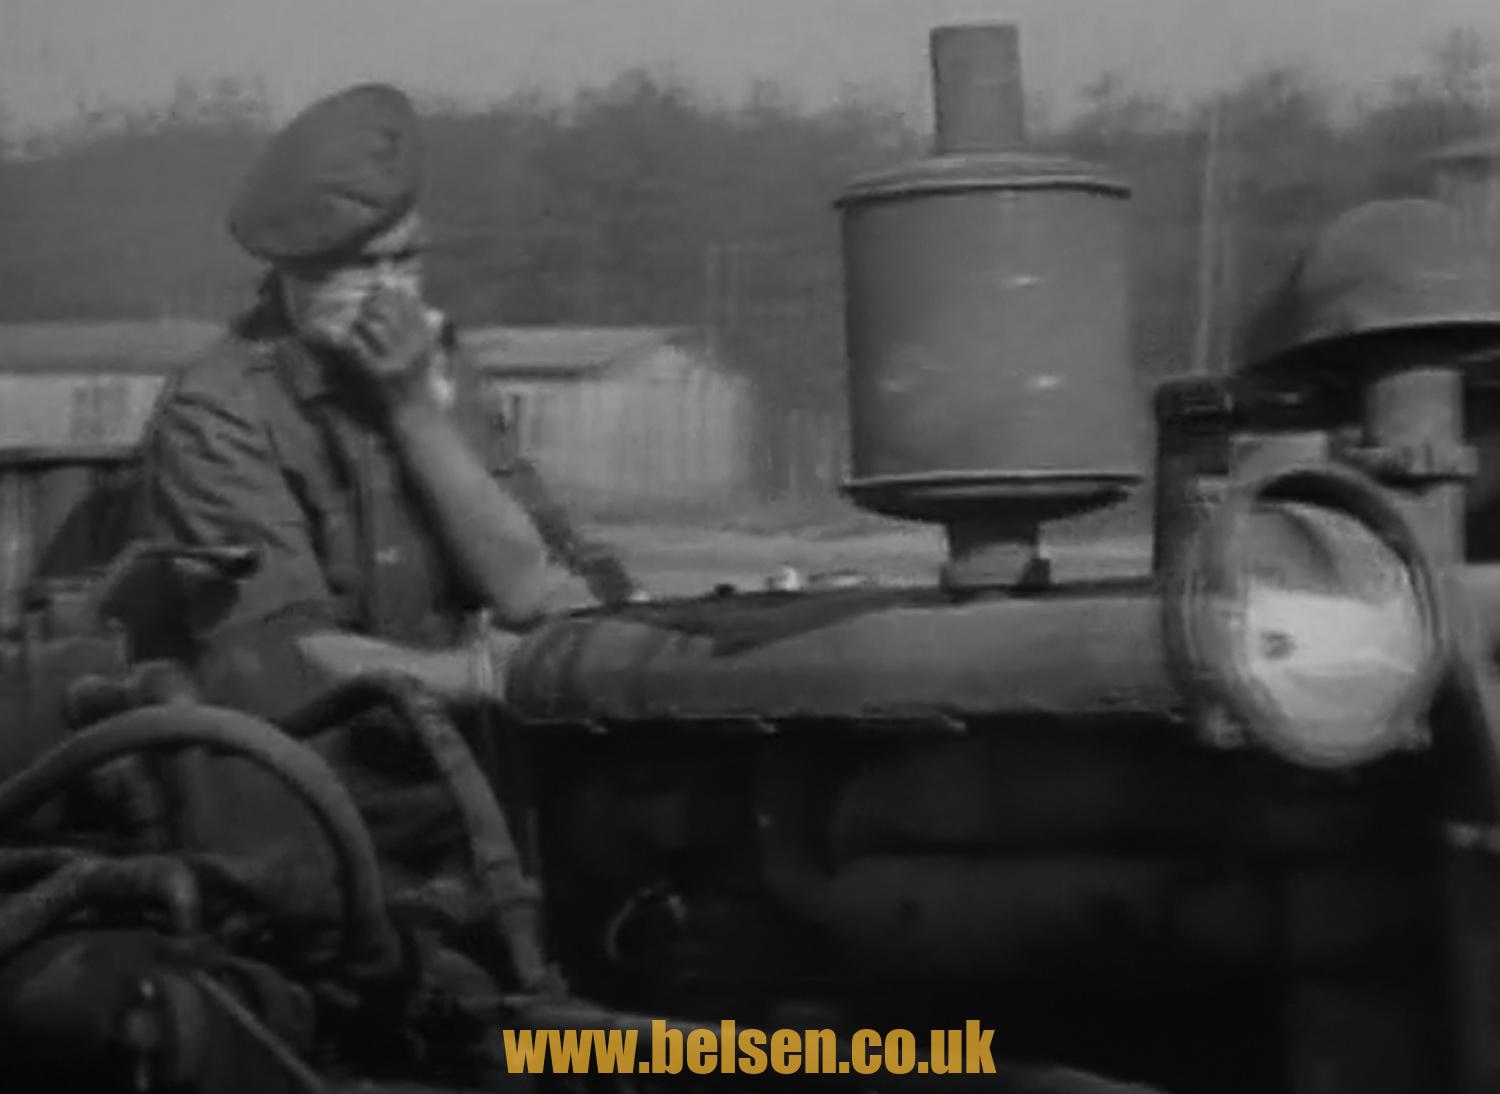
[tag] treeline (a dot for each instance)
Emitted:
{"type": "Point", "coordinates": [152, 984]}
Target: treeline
{"type": "Point", "coordinates": [1258, 167]}
{"type": "Point", "coordinates": [644, 202]}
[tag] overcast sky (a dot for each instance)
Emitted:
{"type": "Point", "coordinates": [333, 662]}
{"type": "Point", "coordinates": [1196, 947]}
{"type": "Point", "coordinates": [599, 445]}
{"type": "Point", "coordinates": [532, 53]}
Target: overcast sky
{"type": "Point", "coordinates": [58, 55]}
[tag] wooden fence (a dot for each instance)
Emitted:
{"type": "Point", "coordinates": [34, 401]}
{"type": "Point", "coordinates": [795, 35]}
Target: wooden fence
{"type": "Point", "coordinates": [634, 442]}
{"type": "Point", "coordinates": [76, 408]}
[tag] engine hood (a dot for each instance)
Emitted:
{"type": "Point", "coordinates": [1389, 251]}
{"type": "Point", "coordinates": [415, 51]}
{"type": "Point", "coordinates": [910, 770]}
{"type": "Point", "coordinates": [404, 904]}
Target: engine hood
{"type": "Point", "coordinates": [870, 654]}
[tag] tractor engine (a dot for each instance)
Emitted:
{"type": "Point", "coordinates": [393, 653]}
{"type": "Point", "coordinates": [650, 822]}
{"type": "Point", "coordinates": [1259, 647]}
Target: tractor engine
{"type": "Point", "coordinates": [1222, 825]}
{"type": "Point", "coordinates": [1185, 827]}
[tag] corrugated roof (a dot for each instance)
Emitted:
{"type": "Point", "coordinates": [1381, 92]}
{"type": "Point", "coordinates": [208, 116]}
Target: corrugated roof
{"type": "Point", "coordinates": [161, 345]}
{"type": "Point", "coordinates": [1485, 149]}
{"type": "Point", "coordinates": [122, 346]}
{"type": "Point", "coordinates": [561, 350]}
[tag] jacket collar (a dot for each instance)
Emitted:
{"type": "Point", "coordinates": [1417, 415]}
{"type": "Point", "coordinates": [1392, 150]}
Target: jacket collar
{"type": "Point", "coordinates": [309, 371]}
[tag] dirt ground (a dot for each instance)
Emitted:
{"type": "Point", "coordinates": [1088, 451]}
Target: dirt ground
{"type": "Point", "coordinates": [685, 560]}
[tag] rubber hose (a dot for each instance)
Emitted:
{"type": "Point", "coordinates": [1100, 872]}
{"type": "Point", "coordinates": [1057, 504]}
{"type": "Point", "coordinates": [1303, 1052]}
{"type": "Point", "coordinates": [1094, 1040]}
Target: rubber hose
{"type": "Point", "coordinates": [93, 698]}
{"type": "Point", "coordinates": [497, 862]}
{"type": "Point", "coordinates": [1472, 683]}
{"type": "Point", "coordinates": [89, 881]}
{"type": "Point", "coordinates": [369, 940]}
{"type": "Point", "coordinates": [36, 860]}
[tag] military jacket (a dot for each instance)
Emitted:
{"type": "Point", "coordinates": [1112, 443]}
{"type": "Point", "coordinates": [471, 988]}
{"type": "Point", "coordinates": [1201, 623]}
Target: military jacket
{"type": "Point", "coordinates": [259, 444]}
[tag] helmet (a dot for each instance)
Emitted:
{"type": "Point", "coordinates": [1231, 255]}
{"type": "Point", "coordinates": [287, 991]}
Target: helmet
{"type": "Point", "coordinates": [1382, 268]}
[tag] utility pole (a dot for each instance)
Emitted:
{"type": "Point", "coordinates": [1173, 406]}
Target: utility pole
{"type": "Point", "coordinates": [710, 298]}
{"type": "Point", "coordinates": [1208, 252]}
{"type": "Point", "coordinates": [732, 288]}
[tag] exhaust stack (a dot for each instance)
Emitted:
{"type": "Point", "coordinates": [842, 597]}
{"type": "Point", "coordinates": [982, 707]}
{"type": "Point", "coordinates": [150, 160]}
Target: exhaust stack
{"type": "Point", "coordinates": [988, 326]}
{"type": "Point", "coordinates": [979, 101]}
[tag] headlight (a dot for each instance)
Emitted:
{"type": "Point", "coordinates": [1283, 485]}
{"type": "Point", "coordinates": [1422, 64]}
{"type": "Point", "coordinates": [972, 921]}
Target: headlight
{"type": "Point", "coordinates": [1309, 616]}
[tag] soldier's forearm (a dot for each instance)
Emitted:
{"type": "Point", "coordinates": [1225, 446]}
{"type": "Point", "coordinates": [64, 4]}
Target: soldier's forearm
{"type": "Point", "coordinates": [471, 671]}
{"type": "Point", "coordinates": [491, 535]}
{"type": "Point", "coordinates": [599, 566]}
{"type": "Point", "coordinates": [558, 533]}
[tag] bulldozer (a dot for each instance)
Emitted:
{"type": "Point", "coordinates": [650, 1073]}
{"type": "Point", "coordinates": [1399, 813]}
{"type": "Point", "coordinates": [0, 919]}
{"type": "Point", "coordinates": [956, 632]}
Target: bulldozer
{"type": "Point", "coordinates": [1229, 825]}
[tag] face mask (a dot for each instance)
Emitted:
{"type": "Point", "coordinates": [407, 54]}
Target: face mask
{"type": "Point", "coordinates": [325, 309]}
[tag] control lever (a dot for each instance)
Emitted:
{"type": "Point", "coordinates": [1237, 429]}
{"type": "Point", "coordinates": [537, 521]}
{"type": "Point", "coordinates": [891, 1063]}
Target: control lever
{"type": "Point", "coordinates": [152, 587]}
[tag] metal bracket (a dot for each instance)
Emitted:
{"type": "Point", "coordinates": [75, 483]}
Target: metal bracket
{"type": "Point", "coordinates": [1414, 464]}
{"type": "Point", "coordinates": [1219, 729]}
{"type": "Point", "coordinates": [1194, 402]}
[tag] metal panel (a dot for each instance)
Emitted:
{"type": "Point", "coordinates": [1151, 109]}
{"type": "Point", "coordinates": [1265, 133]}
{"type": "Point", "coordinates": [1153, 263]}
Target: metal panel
{"type": "Point", "coordinates": [103, 408]}
{"type": "Point", "coordinates": [44, 522]}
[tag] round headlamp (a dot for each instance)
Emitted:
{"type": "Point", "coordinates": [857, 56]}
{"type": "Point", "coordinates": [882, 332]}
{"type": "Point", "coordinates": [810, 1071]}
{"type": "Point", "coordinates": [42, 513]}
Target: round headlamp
{"type": "Point", "coordinates": [1309, 616]}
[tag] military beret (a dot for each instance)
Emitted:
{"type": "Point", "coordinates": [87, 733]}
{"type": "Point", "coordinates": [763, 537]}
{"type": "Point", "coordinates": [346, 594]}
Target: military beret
{"type": "Point", "coordinates": [343, 171]}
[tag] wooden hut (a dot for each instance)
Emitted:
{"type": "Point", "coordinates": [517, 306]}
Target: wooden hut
{"type": "Point", "coordinates": [621, 418]}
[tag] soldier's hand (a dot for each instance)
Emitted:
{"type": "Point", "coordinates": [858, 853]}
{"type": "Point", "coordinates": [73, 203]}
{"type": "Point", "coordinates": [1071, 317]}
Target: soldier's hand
{"type": "Point", "coordinates": [393, 341]}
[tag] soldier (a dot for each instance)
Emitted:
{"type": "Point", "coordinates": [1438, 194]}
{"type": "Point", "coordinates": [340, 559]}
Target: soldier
{"type": "Point", "coordinates": [336, 430]}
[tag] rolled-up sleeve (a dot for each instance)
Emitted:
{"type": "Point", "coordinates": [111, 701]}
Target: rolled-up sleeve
{"type": "Point", "coordinates": [213, 479]}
